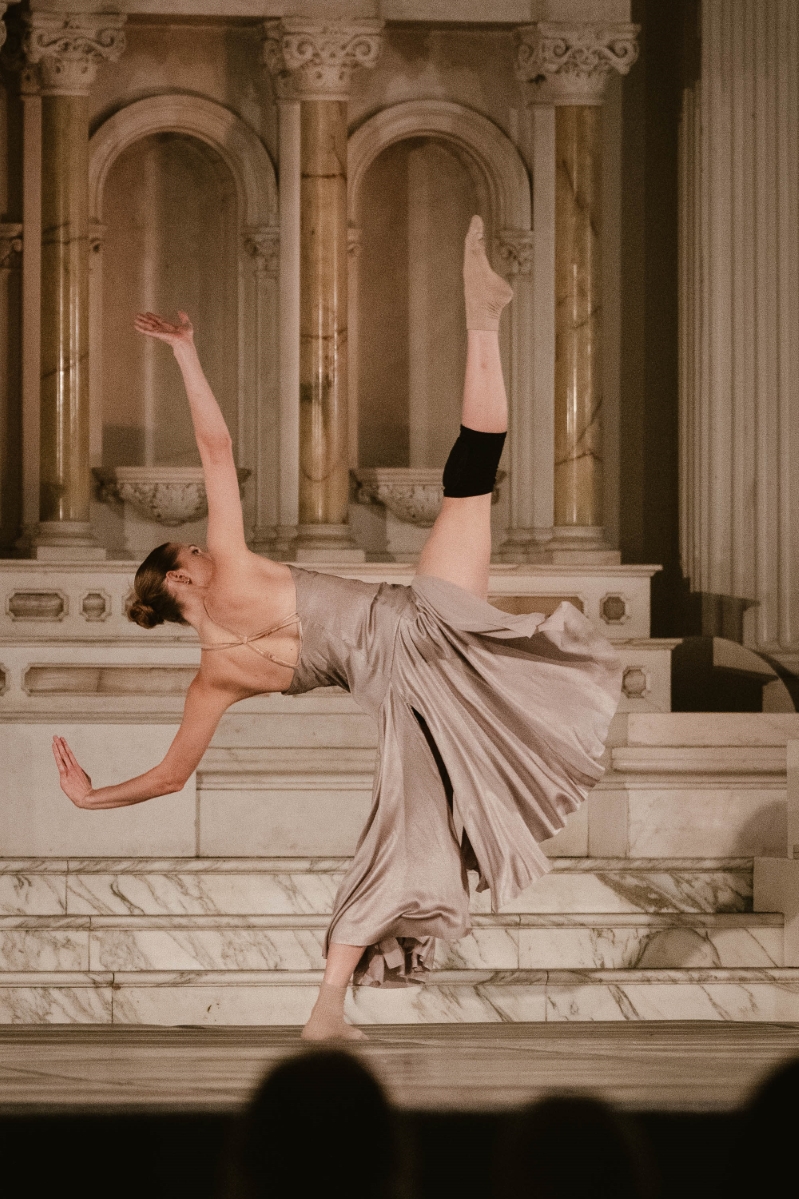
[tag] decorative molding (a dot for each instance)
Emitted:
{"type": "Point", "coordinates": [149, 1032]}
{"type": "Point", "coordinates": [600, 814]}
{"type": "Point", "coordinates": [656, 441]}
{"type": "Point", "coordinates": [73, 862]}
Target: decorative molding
{"type": "Point", "coordinates": [614, 609]}
{"type": "Point", "coordinates": [37, 605]}
{"type": "Point", "coordinates": [10, 246]}
{"type": "Point", "coordinates": [235, 142]}
{"type": "Point", "coordinates": [314, 60]}
{"type": "Point", "coordinates": [515, 252]}
{"type": "Point", "coordinates": [412, 493]}
{"type": "Point", "coordinates": [68, 48]}
{"type": "Point", "coordinates": [569, 63]}
{"type": "Point", "coordinates": [500, 176]}
{"type": "Point", "coordinates": [262, 243]}
{"type": "Point", "coordinates": [169, 495]}
{"type": "Point", "coordinates": [95, 606]}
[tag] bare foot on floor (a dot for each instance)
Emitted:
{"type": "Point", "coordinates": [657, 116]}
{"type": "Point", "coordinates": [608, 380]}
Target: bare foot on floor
{"type": "Point", "coordinates": [326, 1022]}
{"type": "Point", "coordinates": [486, 292]}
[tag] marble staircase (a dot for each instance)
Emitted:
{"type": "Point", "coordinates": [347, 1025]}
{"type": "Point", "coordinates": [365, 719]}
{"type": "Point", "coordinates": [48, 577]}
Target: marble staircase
{"type": "Point", "coordinates": [210, 907]}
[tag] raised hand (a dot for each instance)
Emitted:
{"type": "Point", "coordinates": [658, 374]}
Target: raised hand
{"type": "Point", "coordinates": [75, 782]}
{"type": "Point", "coordinates": [155, 326]}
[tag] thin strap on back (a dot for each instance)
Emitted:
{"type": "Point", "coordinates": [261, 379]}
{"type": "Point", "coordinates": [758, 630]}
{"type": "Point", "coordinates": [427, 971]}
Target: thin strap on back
{"type": "Point", "coordinates": [248, 638]}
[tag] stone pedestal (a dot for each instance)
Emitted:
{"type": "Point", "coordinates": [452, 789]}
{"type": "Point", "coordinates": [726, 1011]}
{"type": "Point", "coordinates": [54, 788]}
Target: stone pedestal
{"type": "Point", "coordinates": [312, 63]}
{"type": "Point", "coordinates": [67, 51]}
{"type": "Point", "coordinates": [566, 67]}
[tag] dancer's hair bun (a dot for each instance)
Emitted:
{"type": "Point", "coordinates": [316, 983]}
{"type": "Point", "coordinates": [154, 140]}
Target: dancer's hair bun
{"type": "Point", "coordinates": [152, 602]}
{"type": "Point", "coordinates": [144, 614]}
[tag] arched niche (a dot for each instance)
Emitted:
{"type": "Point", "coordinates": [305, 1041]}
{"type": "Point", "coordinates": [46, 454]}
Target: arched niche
{"type": "Point", "coordinates": [189, 137]}
{"type": "Point", "coordinates": [499, 187]}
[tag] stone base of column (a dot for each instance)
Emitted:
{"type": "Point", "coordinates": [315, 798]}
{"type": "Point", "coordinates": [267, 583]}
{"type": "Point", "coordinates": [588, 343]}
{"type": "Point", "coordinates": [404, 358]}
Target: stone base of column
{"type": "Point", "coordinates": [581, 545]}
{"type": "Point", "coordinates": [278, 542]}
{"type": "Point", "coordinates": [524, 545]}
{"type": "Point", "coordinates": [66, 541]}
{"type": "Point", "coordinates": [326, 543]}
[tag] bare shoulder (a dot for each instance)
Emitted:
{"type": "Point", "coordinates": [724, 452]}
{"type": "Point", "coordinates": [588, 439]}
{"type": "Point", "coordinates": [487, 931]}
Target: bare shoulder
{"type": "Point", "coordinates": [244, 571]}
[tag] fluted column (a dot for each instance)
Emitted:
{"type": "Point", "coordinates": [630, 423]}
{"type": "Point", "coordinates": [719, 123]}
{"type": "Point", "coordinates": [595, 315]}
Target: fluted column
{"type": "Point", "coordinates": [566, 67]}
{"type": "Point", "coordinates": [312, 62]}
{"type": "Point", "coordinates": [739, 324]}
{"type": "Point", "coordinates": [67, 51]}
{"type": "Point", "coordinates": [10, 385]}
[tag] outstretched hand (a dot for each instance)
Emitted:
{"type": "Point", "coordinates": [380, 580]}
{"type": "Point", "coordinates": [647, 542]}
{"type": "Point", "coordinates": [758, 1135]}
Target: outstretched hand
{"type": "Point", "coordinates": [75, 782]}
{"type": "Point", "coordinates": [155, 326]}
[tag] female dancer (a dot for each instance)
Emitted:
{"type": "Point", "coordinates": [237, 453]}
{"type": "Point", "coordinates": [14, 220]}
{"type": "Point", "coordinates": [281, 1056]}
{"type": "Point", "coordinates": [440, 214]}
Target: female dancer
{"type": "Point", "coordinates": [491, 726]}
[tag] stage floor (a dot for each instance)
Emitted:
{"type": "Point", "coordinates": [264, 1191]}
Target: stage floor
{"type": "Point", "coordinates": [666, 1067]}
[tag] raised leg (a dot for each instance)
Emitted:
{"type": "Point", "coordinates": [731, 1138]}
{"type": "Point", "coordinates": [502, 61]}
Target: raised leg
{"type": "Point", "coordinates": [458, 548]}
{"type": "Point", "coordinates": [326, 1022]}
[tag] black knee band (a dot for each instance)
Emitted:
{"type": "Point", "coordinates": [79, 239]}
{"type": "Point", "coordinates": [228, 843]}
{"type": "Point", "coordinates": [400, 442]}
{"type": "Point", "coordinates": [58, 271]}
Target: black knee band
{"type": "Point", "coordinates": [472, 464]}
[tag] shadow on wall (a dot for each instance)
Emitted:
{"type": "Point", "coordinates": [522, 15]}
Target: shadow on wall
{"type": "Point", "coordinates": [712, 674]}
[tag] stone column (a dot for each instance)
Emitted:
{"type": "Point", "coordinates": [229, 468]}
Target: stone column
{"type": "Point", "coordinates": [739, 324]}
{"type": "Point", "coordinates": [313, 63]}
{"type": "Point", "coordinates": [67, 51]}
{"type": "Point", "coordinates": [10, 385]}
{"type": "Point", "coordinates": [566, 67]}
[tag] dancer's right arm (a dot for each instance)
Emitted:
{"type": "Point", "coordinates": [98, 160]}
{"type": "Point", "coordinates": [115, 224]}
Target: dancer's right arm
{"type": "Point", "coordinates": [205, 705]}
{"type": "Point", "coordinates": [225, 536]}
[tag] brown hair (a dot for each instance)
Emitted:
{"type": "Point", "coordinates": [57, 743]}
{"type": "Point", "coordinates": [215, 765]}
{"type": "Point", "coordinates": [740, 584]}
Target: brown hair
{"type": "Point", "coordinates": [152, 602]}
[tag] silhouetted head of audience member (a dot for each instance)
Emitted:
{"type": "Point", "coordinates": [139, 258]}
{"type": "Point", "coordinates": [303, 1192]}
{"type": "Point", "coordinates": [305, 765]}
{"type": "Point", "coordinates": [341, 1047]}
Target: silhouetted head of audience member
{"type": "Point", "coordinates": [319, 1125]}
{"type": "Point", "coordinates": [764, 1147]}
{"type": "Point", "coordinates": [574, 1148]}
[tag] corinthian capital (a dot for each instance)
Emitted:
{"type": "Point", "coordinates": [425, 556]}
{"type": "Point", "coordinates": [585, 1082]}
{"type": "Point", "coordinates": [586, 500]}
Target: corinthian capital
{"type": "Point", "coordinates": [314, 60]}
{"type": "Point", "coordinates": [68, 48]}
{"type": "Point", "coordinates": [569, 64]}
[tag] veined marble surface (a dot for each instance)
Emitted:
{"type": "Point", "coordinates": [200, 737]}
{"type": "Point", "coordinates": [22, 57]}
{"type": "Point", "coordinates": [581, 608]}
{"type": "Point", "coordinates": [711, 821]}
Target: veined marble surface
{"type": "Point", "coordinates": [452, 1066]}
{"type": "Point", "coordinates": [285, 997]}
{"type": "Point", "coordinates": [197, 886]}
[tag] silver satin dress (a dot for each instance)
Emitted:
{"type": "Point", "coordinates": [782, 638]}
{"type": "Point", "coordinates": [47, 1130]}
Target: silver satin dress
{"type": "Point", "coordinates": [490, 732]}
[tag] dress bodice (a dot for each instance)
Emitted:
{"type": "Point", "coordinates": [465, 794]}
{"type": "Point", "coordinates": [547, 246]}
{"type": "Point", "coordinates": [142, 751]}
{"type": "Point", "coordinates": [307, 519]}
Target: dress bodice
{"type": "Point", "coordinates": [348, 634]}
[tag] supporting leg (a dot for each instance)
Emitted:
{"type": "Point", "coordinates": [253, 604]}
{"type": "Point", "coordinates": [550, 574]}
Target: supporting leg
{"type": "Point", "coordinates": [326, 1022]}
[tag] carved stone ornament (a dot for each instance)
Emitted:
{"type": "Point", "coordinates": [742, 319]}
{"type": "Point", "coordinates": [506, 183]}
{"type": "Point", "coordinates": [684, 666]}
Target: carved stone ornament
{"type": "Point", "coordinates": [3, 8]}
{"type": "Point", "coordinates": [10, 246]}
{"type": "Point", "coordinates": [68, 48]}
{"type": "Point", "coordinates": [262, 243]}
{"type": "Point", "coordinates": [170, 495]}
{"type": "Point", "coordinates": [412, 494]}
{"type": "Point", "coordinates": [314, 60]}
{"type": "Point", "coordinates": [515, 251]}
{"type": "Point", "coordinates": [569, 64]}
{"type": "Point", "coordinates": [635, 682]}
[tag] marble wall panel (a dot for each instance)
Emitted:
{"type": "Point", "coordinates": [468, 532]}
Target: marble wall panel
{"type": "Point", "coordinates": [611, 948]}
{"type": "Point", "coordinates": [442, 1004]}
{"type": "Point", "coordinates": [54, 1003]}
{"type": "Point", "coordinates": [492, 948]}
{"type": "Point", "coordinates": [37, 819]}
{"type": "Point", "coordinates": [213, 1004]}
{"type": "Point", "coordinates": [674, 1000]}
{"type": "Point", "coordinates": [206, 949]}
{"type": "Point", "coordinates": [198, 893]}
{"type": "Point", "coordinates": [639, 889]}
{"type": "Point", "coordinates": [24, 893]}
{"type": "Point", "coordinates": [44, 949]}
{"type": "Point", "coordinates": [281, 822]}
{"type": "Point", "coordinates": [706, 822]}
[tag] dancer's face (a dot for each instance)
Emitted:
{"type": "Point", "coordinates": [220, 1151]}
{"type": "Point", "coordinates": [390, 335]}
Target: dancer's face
{"type": "Point", "coordinates": [194, 566]}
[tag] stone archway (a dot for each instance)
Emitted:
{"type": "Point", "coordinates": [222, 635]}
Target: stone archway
{"type": "Point", "coordinates": [503, 187]}
{"type": "Point", "coordinates": [257, 239]}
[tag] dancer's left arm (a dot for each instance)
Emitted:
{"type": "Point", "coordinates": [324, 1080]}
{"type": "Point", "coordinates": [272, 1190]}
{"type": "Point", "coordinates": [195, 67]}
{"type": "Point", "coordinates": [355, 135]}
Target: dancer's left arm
{"type": "Point", "coordinates": [225, 537]}
{"type": "Point", "coordinates": [204, 707]}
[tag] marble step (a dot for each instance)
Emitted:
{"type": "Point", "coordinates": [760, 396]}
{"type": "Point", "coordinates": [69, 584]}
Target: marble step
{"type": "Point", "coordinates": [280, 943]}
{"type": "Point", "coordinates": [307, 886]}
{"type": "Point", "coordinates": [464, 996]}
